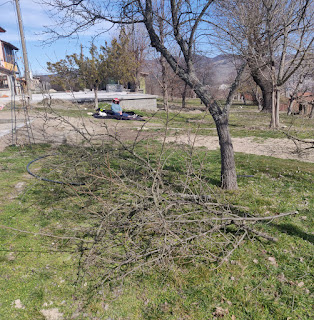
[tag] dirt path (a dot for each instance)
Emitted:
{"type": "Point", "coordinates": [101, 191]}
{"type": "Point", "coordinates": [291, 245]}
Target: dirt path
{"type": "Point", "coordinates": [278, 148]}
{"type": "Point", "coordinates": [72, 131]}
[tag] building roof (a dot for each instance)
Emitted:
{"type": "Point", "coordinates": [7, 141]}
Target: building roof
{"type": "Point", "coordinates": [10, 45]}
{"type": "Point", "coordinates": [2, 30]}
{"type": "Point", "coordinates": [305, 96]}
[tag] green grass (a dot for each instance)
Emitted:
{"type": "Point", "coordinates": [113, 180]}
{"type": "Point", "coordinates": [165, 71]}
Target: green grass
{"type": "Point", "coordinates": [248, 286]}
{"type": "Point", "coordinates": [76, 112]}
{"type": "Point", "coordinates": [42, 272]}
{"type": "Point", "coordinates": [247, 121]}
{"type": "Point", "coordinates": [190, 102]}
{"type": "Point", "coordinates": [244, 121]}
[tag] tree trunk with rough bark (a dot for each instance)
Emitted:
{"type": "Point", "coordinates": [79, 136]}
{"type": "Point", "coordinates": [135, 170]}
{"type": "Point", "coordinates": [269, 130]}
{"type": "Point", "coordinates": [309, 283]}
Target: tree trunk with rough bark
{"type": "Point", "coordinates": [184, 95]}
{"type": "Point", "coordinates": [164, 83]}
{"type": "Point", "coordinates": [274, 122]}
{"type": "Point", "coordinates": [264, 81]}
{"type": "Point", "coordinates": [267, 94]}
{"type": "Point", "coordinates": [96, 96]}
{"type": "Point", "coordinates": [257, 98]}
{"type": "Point", "coordinates": [162, 60]}
{"type": "Point", "coordinates": [188, 75]}
{"type": "Point", "coordinates": [228, 168]}
{"type": "Point", "coordinates": [290, 106]}
{"type": "Point", "coordinates": [276, 107]}
{"type": "Point", "coordinates": [312, 111]}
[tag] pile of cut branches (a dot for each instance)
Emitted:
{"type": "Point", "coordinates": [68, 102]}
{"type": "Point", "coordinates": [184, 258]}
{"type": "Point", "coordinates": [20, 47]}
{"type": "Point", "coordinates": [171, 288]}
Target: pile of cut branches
{"type": "Point", "coordinates": [142, 213]}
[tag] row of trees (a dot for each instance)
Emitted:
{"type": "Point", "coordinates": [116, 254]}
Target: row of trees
{"type": "Point", "coordinates": [114, 62]}
{"type": "Point", "coordinates": [272, 39]}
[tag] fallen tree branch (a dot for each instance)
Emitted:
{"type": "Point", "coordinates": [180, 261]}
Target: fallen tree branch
{"type": "Point", "coordinates": [235, 246]}
{"type": "Point", "coordinates": [236, 218]}
{"type": "Point", "coordinates": [300, 140]}
{"type": "Point", "coordinates": [259, 233]}
{"type": "Point", "coordinates": [45, 234]}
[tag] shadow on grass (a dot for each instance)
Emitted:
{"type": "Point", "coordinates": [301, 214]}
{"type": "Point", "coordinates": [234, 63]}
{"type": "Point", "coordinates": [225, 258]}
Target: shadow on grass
{"type": "Point", "coordinates": [295, 231]}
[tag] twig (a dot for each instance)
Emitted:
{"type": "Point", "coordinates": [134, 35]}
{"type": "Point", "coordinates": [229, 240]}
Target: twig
{"type": "Point", "coordinates": [235, 218]}
{"type": "Point", "coordinates": [259, 233]}
{"type": "Point", "coordinates": [300, 140]}
{"type": "Point", "coordinates": [45, 234]}
{"type": "Point", "coordinates": [235, 246]}
{"type": "Point", "coordinates": [255, 218]}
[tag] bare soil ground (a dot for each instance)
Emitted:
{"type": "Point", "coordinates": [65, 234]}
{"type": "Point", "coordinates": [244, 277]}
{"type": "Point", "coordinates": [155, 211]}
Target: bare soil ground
{"type": "Point", "coordinates": [71, 130]}
{"type": "Point", "coordinates": [75, 130]}
{"type": "Point", "coordinates": [278, 148]}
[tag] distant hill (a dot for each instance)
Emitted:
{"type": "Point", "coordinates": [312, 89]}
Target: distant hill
{"type": "Point", "coordinates": [220, 69]}
{"type": "Point", "coordinates": [224, 68]}
{"type": "Point", "coordinates": [211, 71]}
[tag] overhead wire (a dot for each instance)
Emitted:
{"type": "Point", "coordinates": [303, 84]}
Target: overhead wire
{"type": "Point", "coordinates": [4, 3]}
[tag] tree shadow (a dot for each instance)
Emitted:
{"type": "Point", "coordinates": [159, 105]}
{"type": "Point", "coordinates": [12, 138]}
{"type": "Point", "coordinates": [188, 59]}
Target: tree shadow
{"type": "Point", "coordinates": [294, 231]}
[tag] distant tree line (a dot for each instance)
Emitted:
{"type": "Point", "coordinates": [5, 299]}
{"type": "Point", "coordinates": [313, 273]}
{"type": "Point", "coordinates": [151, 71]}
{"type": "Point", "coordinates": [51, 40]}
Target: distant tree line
{"type": "Point", "coordinates": [115, 62]}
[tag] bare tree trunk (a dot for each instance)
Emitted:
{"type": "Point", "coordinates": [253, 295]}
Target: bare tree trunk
{"type": "Point", "coordinates": [137, 81]}
{"type": "Point", "coordinates": [257, 98]}
{"type": "Point", "coordinates": [266, 86]}
{"type": "Point", "coordinates": [312, 111]}
{"type": "Point", "coordinates": [267, 99]}
{"type": "Point", "coordinates": [228, 168]}
{"type": "Point", "coordinates": [220, 116]}
{"type": "Point", "coordinates": [273, 112]}
{"type": "Point", "coordinates": [184, 95]}
{"type": "Point", "coordinates": [163, 62]}
{"type": "Point", "coordinates": [291, 104]}
{"type": "Point", "coordinates": [277, 108]}
{"type": "Point", "coordinates": [172, 94]}
{"type": "Point", "coordinates": [165, 96]}
{"type": "Point", "coordinates": [274, 122]}
{"type": "Point", "coordinates": [96, 96]}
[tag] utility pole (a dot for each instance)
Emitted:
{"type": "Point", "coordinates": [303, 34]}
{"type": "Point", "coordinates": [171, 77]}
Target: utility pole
{"type": "Point", "coordinates": [25, 58]}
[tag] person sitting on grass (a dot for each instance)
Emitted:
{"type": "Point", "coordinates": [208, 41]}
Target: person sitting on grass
{"type": "Point", "coordinates": [116, 108]}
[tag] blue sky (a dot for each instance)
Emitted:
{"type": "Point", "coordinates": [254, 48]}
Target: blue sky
{"type": "Point", "coordinates": [35, 17]}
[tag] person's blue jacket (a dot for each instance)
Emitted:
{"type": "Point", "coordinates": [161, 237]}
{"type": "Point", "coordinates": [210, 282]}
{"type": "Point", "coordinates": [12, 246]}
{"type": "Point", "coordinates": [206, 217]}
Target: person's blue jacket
{"type": "Point", "coordinates": [116, 108]}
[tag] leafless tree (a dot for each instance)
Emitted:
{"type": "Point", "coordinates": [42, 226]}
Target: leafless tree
{"type": "Point", "coordinates": [249, 87]}
{"type": "Point", "coordinates": [138, 47]}
{"type": "Point", "coordinates": [297, 86]}
{"type": "Point", "coordinates": [274, 37]}
{"type": "Point", "coordinates": [164, 71]}
{"type": "Point", "coordinates": [294, 94]}
{"type": "Point", "coordinates": [186, 22]}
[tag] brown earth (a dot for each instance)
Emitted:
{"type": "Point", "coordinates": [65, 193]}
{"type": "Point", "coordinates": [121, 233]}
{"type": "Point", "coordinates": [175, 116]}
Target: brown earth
{"type": "Point", "coordinates": [72, 130]}
{"type": "Point", "coordinates": [278, 148]}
